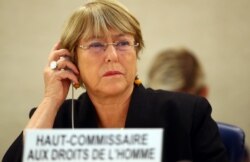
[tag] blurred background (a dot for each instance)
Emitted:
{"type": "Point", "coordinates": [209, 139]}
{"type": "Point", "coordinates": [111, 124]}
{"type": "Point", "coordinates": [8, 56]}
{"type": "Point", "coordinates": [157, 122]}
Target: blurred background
{"type": "Point", "coordinates": [217, 31]}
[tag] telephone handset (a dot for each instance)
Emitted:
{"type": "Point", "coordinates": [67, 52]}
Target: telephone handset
{"type": "Point", "coordinates": [75, 85]}
{"type": "Point", "coordinates": [72, 108]}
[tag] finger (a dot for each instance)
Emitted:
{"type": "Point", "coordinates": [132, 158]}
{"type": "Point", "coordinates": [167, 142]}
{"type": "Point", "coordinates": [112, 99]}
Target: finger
{"type": "Point", "coordinates": [65, 74]}
{"type": "Point", "coordinates": [67, 65]}
{"type": "Point", "coordinates": [55, 55]}
{"type": "Point", "coordinates": [57, 46]}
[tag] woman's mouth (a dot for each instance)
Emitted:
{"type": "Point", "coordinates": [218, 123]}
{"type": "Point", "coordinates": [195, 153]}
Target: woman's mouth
{"type": "Point", "coordinates": [112, 73]}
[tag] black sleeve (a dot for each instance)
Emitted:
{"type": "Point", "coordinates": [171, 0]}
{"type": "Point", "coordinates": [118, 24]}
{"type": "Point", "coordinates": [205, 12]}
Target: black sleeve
{"type": "Point", "coordinates": [207, 145]}
{"type": "Point", "coordinates": [15, 151]}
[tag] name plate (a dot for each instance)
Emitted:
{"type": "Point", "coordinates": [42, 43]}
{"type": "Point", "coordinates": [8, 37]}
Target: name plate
{"type": "Point", "coordinates": [93, 145]}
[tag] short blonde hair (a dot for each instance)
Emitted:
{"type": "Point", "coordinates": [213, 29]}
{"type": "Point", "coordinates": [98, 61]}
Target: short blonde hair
{"type": "Point", "coordinates": [96, 18]}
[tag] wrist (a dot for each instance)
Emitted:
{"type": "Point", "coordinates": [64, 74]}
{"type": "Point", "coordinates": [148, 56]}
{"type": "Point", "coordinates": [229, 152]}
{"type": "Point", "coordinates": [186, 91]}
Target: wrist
{"type": "Point", "coordinates": [51, 103]}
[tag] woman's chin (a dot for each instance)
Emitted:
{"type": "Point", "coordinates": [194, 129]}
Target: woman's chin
{"type": "Point", "coordinates": [115, 88]}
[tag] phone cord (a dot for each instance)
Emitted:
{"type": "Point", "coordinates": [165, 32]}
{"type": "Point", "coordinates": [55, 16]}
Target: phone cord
{"type": "Point", "coordinates": [72, 108]}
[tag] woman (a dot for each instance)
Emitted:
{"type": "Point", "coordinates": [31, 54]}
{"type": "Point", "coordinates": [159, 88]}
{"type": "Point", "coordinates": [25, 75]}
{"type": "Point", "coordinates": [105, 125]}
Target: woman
{"type": "Point", "coordinates": [103, 41]}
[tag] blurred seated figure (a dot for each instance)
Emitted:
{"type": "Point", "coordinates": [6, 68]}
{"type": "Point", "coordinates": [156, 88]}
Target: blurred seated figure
{"type": "Point", "coordinates": [177, 69]}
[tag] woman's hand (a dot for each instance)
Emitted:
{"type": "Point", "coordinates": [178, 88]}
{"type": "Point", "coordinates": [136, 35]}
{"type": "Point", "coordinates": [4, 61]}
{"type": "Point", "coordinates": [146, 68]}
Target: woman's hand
{"type": "Point", "coordinates": [57, 81]}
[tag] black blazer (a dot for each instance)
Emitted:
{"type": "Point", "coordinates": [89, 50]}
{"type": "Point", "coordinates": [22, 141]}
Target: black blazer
{"type": "Point", "coordinates": [189, 131]}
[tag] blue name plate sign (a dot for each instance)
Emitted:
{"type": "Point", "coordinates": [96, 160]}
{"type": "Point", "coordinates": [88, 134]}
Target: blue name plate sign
{"type": "Point", "coordinates": [93, 145]}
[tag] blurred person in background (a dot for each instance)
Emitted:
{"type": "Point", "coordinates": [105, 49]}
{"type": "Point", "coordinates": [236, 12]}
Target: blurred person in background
{"type": "Point", "coordinates": [178, 69]}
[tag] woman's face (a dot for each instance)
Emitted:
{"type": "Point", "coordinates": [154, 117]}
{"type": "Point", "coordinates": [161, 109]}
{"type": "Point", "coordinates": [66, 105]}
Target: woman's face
{"type": "Point", "coordinates": [107, 69]}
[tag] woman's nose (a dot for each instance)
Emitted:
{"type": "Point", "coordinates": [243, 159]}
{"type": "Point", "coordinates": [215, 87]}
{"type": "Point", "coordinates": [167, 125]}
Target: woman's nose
{"type": "Point", "coordinates": [111, 53]}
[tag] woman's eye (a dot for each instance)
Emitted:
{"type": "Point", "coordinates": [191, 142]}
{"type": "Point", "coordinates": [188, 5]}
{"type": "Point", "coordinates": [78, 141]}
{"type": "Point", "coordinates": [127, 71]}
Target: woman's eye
{"type": "Point", "coordinates": [123, 43]}
{"type": "Point", "coordinates": [96, 45]}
